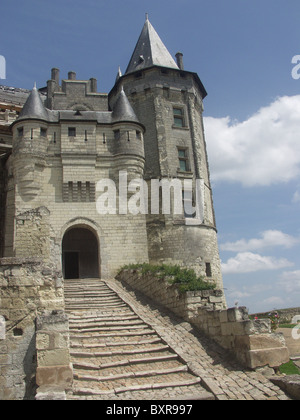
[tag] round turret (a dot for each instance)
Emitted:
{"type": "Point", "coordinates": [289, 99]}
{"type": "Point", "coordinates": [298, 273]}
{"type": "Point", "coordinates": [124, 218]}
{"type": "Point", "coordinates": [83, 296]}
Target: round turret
{"type": "Point", "coordinates": [30, 146]}
{"type": "Point", "coordinates": [128, 135]}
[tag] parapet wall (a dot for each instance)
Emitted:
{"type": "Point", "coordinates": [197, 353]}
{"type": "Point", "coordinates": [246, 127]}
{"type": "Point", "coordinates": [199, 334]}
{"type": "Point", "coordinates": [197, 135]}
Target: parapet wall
{"type": "Point", "coordinates": [251, 342]}
{"type": "Point", "coordinates": [27, 288]}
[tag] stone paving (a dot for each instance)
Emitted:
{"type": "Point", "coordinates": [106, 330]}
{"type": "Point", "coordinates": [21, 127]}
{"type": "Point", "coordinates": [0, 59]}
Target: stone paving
{"type": "Point", "coordinates": [200, 364]}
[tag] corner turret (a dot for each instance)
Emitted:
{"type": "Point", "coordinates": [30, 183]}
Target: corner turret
{"type": "Point", "coordinates": [33, 107]}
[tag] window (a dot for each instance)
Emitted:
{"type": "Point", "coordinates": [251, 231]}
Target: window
{"type": "Point", "coordinates": [20, 131]}
{"type": "Point", "coordinates": [43, 132]}
{"type": "Point", "coordinates": [178, 115]}
{"type": "Point", "coordinates": [72, 131]}
{"type": "Point", "coordinates": [183, 160]}
{"type": "Point", "coordinates": [208, 270]}
{"type": "Point", "coordinates": [117, 134]}
{"type": "Point", "coordinates": [138, 135]}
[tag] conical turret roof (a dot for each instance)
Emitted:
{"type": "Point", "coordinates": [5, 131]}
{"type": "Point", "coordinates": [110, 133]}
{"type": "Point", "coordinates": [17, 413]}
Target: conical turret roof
{"type": "Point", "coordinates": [150, 51]}
{"type": "Point", "coordinates": [122, 110]}
{"type": "Point", "coordinates": [33, 107]}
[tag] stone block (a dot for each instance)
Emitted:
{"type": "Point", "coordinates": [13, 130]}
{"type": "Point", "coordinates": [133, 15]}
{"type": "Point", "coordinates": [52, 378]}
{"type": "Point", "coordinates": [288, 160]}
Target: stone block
{"type": "Point", "coordinates": [237, 328]}
{"type": "Point", "coordinates": [48, 393]}
{"type": "Point", "coordinates": [53, 321]}
{"type": "Point", "coordinates": [215, 299]}
{"type": "Point", "coordinates": [268, 357]}
{"type": "Point", "coordinates": [57, 357]}
{"type": "Point", "coordinates": [61, 376]}
{"type": "Point", "coordinates": [289, 384]}
{"type": "Point", "coordinates": [237, 314]}
{"type": "Point", "coordinates": [262, 325]}
{"type": "Point", "coordinates": [258, 342]}
{"type": "Point", "coordinates": [42, 341]}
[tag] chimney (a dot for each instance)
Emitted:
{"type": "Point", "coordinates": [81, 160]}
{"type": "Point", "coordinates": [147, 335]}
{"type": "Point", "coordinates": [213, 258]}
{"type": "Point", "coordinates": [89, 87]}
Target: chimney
{"type": "Point", "coordinates": [93, 85]}
{"type": "Point", "coordinates": [72, 75]}
{"type": "Point", "coordinates": [55, 75]}
{"type": "Point", "coordinates": [179, 58]}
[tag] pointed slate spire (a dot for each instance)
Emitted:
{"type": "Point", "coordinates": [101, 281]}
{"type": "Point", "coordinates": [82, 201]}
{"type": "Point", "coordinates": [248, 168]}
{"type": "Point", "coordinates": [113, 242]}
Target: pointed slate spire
{"type": "Point", "coordinates": [119, 74]}
{"type": "Point", "coordinates": [33, 107]}
{"type": "Point", "coordinates": [150, 51]}
{"type": "Point", "coordinates": [122, 110]}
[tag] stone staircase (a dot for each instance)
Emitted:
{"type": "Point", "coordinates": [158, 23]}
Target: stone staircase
{"type": "Point", "coordinates": [116, 355]}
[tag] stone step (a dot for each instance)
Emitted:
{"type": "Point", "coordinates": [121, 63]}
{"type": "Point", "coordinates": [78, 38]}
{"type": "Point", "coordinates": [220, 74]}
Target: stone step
{"type": "Point", "coordinates": [119, 352]}
{"type": "Point", "coordinates": [114, 352]}
{"type": "Point", "coordinates": [127, 362]}
{"type": "Point", "coordinates": [116, 344]}
{"type": "Point", "coordinates": [115, 328]}
{"type": "Point", "coordinates": [125, 334]}
{"type": "Point", "coordinates": [81, 298]}
{"type": "Point", "coordinates": [100, 312]}
{"type": "Point", "coordinates": [92, 319]}
{"type": "Point", "coordinates": [143, 387]}
{"type": "Point", "coordinates": [101, 323]}
{"type": "Point", "coordinates": [83, 305]}
{"type": "Point", "coordinates": [141, 374]}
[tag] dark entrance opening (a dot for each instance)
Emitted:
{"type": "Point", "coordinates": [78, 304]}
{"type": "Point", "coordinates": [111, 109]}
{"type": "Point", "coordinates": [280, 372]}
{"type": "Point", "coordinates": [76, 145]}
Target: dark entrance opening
{"type": "Point", "coordinates": [71, 260]}
{"type": "Point", "coordinates": [80, 254]}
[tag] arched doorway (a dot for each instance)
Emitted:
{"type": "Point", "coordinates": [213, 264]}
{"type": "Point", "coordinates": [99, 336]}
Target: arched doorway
{"type": "Point", "coordinates": [80, 254]}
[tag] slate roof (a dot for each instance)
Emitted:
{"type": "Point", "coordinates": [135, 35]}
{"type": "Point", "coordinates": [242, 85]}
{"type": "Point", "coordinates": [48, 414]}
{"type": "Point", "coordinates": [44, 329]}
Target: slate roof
{"type": "Point", "coordinates": [150, 51]}
{"type": "Point", "coordinates": [33, 107]}
{"type": "Point", "coordinates": [122, 110]}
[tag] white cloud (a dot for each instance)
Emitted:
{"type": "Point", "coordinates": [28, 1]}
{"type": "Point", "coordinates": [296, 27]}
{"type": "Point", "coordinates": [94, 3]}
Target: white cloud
{"type": "Point", "coordinates": [263, 150]}
{"type": "Point", "coordinates": [247, 262]}
{"type": "Point", "coordinates": [274, 301]}
{"type": "Point", "coordinates": [296, 197]}
{"type": "Point", "coordinates": [269, 238]}
{"type": "Point", "coordinates": [290, 281]}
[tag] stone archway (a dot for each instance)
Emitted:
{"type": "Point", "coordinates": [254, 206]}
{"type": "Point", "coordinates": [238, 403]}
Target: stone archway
{"type": "Point", "coordinates": [80, 253]}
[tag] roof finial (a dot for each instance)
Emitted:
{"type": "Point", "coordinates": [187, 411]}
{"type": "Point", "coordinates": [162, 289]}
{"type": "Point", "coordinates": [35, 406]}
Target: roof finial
{"type": "Point", "coordinates": [34, 86]}
{"type": "Point", "coordinates": [147, 16]}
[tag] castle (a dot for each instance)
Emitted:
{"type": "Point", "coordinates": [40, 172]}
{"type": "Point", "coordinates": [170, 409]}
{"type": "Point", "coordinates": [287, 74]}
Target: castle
{"type": "Point", "coordinates": [89, 183]}
{"type": "Point", "coordinates": [58, 142]}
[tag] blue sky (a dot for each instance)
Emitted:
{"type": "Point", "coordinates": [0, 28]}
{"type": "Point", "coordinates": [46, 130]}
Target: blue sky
{"type": "Point", "coordinates": [242, 51]}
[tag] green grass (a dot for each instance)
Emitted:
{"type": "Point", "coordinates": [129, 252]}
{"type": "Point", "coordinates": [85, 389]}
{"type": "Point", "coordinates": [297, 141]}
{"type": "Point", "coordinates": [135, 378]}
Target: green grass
{"type": "Point", "coordinates": [287, 325]}
{"type": "Point", "coordinates": [185, 279]}
{"type": "Point", "coordinates": [289, 368]}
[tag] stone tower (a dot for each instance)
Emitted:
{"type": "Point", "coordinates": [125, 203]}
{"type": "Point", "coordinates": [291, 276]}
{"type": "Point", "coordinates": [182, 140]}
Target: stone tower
{"type": "Point", "coordinates": [168, 101]}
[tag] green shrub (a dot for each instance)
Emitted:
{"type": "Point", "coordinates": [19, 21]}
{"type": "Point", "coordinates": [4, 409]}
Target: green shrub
{"type": "Point", "coordinates": [185, 279]}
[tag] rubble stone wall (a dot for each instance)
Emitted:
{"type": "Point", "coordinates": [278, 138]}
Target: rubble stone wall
{"type": "Point", "coordinates": [27, 288]}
